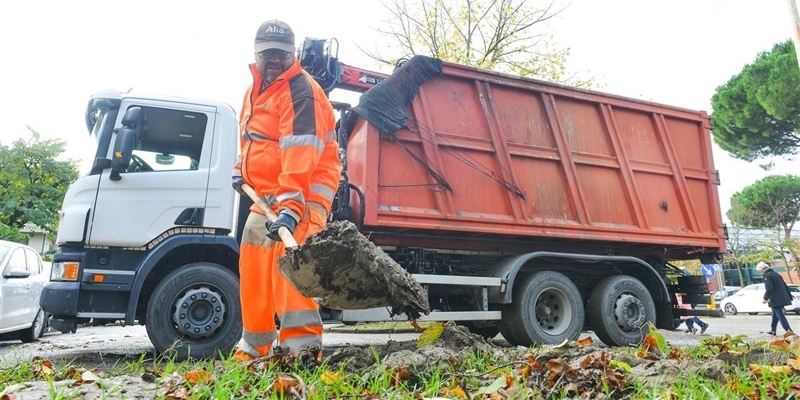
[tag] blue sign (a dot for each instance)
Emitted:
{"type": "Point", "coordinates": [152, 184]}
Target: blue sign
{"type": "Point", "coordinates": [708, 270]}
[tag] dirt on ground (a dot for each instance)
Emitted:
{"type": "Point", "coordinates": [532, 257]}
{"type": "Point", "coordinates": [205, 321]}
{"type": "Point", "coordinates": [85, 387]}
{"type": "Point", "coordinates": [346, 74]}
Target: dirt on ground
{"type": "Point", "coordinates": [579, 369]}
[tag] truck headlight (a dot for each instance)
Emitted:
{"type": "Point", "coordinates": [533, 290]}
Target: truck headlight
{"type": "Point", "coordinates": [64, 271]}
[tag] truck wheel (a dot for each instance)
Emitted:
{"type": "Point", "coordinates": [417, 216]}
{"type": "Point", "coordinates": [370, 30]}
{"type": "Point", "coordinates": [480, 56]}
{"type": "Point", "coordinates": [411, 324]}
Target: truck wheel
{"type": "Point", "coordinates": [35, 331]}
{"type": "Point", "coordinates": [195, 312]}
{"type": "Point", "coordinates": [546, 309]}
{"type": "Point", "coordinates": [620, 308]}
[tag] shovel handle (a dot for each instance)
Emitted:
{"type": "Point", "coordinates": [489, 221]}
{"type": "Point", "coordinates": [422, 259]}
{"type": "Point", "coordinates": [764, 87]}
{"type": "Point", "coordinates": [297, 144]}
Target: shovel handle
{"type": "Point", "coordinates": [286, 236]}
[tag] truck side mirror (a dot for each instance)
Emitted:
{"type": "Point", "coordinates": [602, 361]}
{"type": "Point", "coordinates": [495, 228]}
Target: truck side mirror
{"type": "Point", "coordinates": [125, 141]}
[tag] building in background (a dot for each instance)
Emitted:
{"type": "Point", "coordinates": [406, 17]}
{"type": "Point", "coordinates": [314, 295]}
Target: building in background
{"type": "Point", "coordinates": [38, 238]}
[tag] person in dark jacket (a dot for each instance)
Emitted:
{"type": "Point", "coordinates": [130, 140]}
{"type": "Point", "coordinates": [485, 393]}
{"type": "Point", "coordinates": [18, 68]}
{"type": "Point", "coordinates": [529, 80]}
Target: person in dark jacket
{"type": "Point", "coordinates": [777, 296]}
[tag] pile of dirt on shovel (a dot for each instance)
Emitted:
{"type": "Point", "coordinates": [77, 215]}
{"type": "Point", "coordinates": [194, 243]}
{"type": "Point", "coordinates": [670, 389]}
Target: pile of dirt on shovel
{"type": "Point", "coordinates": [344, 270]}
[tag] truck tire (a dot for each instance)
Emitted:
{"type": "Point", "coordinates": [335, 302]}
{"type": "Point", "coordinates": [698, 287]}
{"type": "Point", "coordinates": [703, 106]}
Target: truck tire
{"type": "Point", "coordinates": [693, 284]}
{"type": "Point", "coordinates": [194, 312]}
{"type": "Point", "coordinates": [620, 308]}
{"type": "Point", "coordinates": [546, 309]}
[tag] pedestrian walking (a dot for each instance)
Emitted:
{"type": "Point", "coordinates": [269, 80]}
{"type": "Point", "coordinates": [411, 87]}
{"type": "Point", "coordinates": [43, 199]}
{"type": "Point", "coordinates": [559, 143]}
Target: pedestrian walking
{"type": "Point", "coordinates": [777, 295]}
{"type": "Point", "coordinates": [693, 320]}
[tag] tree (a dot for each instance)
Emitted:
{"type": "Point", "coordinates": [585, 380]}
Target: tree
{"type": "Point", "coordinates": [757, 112]}
{"type": "Point", "coordinates": [740, 246]}
{"type": "Point", "coordinates": [32, 184]}
{"type": "Point", "coordinates": [501, 35]}
{"type": "Point", "coordinates": [771, 202]}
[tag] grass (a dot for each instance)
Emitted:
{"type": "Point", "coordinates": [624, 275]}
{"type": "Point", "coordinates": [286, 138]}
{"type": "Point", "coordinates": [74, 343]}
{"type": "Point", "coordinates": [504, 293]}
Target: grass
{"type": "Point", "coordinates": [475, 376]}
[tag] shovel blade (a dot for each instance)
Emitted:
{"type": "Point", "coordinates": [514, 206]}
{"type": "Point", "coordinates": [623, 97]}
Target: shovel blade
{"type": "Point", "coordinates": [344, 270]}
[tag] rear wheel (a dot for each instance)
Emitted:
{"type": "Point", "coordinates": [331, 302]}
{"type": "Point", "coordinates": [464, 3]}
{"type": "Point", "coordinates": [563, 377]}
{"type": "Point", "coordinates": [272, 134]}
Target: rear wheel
{"type": "Point", "coordinates": [546, 309]}
{"type": "Point", "coordinates": [730, 309]}
{"type": "Point", "coordinates": [620, 308]}
{"type": "Point", "coordinates": [195, 312]}
{"type": "Point", "coordinates": [36, 329]}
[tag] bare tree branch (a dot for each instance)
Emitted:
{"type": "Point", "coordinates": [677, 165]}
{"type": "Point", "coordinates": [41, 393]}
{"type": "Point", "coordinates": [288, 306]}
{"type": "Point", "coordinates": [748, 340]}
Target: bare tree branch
{"type": "Point", "coordinates": [503, 35]}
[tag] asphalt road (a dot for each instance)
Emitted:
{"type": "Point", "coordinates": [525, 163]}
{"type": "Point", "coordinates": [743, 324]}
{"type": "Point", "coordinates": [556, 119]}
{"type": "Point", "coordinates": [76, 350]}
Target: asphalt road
{"type": "Point", "coordinates": [110, 344]}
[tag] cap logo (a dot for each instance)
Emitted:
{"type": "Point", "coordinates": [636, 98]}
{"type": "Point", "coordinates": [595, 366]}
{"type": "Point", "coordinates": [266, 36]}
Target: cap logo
{"type": "Point", "coordinates": [274, 29]}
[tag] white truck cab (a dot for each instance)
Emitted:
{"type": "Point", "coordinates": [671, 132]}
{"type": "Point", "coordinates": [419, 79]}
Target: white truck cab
{"type": "Point", "coordinates": [147, 234]}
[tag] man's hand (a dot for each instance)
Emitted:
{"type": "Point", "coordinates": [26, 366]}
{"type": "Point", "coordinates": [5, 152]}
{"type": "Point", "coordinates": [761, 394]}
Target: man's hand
{"type": "Point", "coordinates": [237, 181]}
{"type": "Point", "coordinates": [284, 220]}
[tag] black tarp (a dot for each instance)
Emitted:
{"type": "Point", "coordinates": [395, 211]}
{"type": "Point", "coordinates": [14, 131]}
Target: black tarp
{"type": "Point", "coordinates": [384, 105]}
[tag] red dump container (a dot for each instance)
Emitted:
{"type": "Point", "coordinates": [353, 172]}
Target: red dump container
{"type": "Point", "coordinates": [496, 162]}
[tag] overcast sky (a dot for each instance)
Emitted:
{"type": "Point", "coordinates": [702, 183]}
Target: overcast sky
{"type": "Point", "coordinates": [55, 54]}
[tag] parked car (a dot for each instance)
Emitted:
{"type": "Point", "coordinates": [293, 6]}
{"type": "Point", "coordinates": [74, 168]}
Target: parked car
{"type": "Point", "coordinates": [22, 278]}
{"type": "Point", "coordinates": [725, 292]}
{"type": "Point", "coordinates": [718, 296]}
{"type": "Point", "coordinates": [750, 300]}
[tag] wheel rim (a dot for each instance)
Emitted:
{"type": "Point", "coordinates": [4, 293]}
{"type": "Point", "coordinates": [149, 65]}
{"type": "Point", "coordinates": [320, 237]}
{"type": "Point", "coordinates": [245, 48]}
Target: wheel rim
{"type": "Point", "coordinates": [38, 325]}
{"type": "Point", "coordinates": [730, 309]}
{"type": "Point", "coordinates": [553, 311]}
{"type": "Point", "coordinates": [629, 312]}
{"type": "Point", "coordinates": [199, 312]}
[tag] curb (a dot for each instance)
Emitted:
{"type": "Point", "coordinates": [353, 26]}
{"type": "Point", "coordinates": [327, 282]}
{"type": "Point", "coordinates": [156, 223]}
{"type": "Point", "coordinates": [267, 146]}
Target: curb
{"type": "Point", "coordinates": [365, 329]}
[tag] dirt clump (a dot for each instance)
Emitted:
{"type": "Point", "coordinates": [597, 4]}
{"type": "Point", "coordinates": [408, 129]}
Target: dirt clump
{"type": "Point", "coordinates": [344, 270]}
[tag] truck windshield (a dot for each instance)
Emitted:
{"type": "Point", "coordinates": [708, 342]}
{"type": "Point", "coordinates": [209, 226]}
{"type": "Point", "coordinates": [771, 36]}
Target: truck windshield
{"type": "Point", "coordinates": [103, 119]}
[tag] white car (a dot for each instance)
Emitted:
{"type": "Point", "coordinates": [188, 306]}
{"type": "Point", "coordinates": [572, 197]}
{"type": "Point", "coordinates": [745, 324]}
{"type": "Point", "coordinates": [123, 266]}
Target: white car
{"type": "Point", "coordinates": [750, 300]}
{"type": "Point", "coordinates": [22, 278]}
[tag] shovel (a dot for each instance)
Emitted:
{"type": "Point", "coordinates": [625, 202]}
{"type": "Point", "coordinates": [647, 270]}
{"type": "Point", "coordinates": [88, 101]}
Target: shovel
{"type": "Point", "coordinates": [343, 270]}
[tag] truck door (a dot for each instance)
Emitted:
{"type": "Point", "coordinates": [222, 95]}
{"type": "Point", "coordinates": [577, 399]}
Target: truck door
{"type": "Point", "coordinates": [165, 185]}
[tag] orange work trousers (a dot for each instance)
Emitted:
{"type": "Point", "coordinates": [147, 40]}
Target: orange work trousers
{"type": "Point", "coordinates": [265, 292]}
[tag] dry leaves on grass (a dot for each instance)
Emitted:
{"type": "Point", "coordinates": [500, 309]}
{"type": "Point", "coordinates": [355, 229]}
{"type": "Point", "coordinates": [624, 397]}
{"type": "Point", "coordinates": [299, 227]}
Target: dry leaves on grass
{"type": "Point", "coordinates": [578, 368]}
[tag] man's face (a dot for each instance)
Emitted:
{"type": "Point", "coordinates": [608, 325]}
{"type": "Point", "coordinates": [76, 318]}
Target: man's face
{"type": "Point", "coordinates": [272, 62]}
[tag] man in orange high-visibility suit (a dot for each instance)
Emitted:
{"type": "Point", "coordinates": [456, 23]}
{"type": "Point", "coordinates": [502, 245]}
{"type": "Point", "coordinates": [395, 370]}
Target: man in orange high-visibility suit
{"type": "Point", "coordinates": [289, 155]}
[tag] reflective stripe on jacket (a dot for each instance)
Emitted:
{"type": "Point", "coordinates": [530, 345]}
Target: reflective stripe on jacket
{"type": "Point", "coordinates": [289, 152]}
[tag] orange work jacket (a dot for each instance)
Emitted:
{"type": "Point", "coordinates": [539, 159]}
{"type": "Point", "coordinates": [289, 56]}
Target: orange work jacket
{"type": "Point", "coordinates": [289, 152]}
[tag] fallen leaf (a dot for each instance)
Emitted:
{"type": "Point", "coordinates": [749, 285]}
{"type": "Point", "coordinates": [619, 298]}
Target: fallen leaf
{"type": "Point", "coordinates": [557, 365]}
{"type": "Point", "coordinates": [198, 376]}
{"type": "Point", "coordinates": [585, 341]}
{"type": "Point", "coordinates": [430, 335]}
{"type": "Point", "coordinates": [454, 392]}
{"type": "Point", "coordinates": [779, 343]}
{"type": "Point", "coordinates": [493, 387]}
{"type": "Point", "coordinates": [284, 384]}
{"type": "Point", "coordinates": [621, 365]}
{"type": "Point", "coordinates": [330, 377]}
{"type": "Point", "coordinates": [759, 370]}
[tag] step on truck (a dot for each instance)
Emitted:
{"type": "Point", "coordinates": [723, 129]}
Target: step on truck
{"type": "Point", "coordinates": [525, 208]}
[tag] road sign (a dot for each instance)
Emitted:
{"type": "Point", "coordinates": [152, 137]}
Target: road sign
{"type": "Point", "coordinates": [707, 270]}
